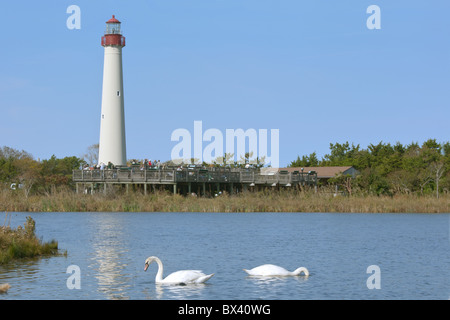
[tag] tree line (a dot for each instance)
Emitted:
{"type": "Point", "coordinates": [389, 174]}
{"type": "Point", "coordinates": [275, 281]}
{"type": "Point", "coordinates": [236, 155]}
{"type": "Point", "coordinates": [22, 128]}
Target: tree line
{"type": "Point", "coordinates": [18, 170]}
{"type": "Point", "coordinates": [384, 169]}
{"type": "Point", "coordinates": [388, 169]}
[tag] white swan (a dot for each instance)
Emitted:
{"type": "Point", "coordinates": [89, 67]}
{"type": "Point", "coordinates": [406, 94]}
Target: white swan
{"type": "Point", "coordinates": [270, 270]}
{"type": "Point", "coordinates": [178, 277]}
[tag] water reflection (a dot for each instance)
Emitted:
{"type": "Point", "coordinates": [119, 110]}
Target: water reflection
{"type": "Point", "coordinates": [21, 276]}
{"type": "Point", "coordinates": [275, 281]}
{"type": "Point", "coordinates": [108, 256]}
{"type": "Point", "coordinates": [275, 287]}
{"type": "Point", "coordinates": [179, 292]}
{"type": "Point", "coordinates": [27, 269]}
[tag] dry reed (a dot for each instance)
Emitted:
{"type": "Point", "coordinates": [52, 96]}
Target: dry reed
{"type": "Point", "coordinates": [264, 201]}
{"type": "Point", "coordinates": [22, 242]}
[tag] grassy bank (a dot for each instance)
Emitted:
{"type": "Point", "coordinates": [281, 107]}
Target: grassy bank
{"type": "Point", "coordinates": [272, 201]}
{"type": "Point", "coordinates": [22, 243]}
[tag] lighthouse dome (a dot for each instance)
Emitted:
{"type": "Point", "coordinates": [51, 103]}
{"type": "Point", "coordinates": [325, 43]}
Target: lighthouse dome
{"type": "Point", "coordinates": [113, 20]}
{"type": "Point", "coordinates": [113, 26]}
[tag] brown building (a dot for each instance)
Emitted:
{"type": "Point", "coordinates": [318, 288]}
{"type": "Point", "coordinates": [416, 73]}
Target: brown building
{"type": "Point", "coordinates": [324, 173]}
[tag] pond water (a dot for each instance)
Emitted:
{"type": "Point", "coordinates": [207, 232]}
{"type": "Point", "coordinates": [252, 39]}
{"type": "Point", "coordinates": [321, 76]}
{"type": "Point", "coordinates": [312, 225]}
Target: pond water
{"type": "Point", "coordinates": [410, 250]}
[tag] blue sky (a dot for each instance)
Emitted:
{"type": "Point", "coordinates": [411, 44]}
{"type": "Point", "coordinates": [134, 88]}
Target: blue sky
{"type": "Point", "coordinates": [311, 69]}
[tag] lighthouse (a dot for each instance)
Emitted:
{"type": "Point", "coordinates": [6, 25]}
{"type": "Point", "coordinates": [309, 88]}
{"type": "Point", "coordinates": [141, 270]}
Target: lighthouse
{"type": "Point", "coordinates": [112, 146]}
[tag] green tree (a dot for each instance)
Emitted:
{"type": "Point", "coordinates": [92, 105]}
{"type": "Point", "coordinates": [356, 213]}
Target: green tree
{"type": "Point", "coordinates": [28, 174]}
{"type": "Point", "coordinates": [387, 169]}
{"type": "Point", "coordinates": [306, 161]}
{"type": "Point", "coordinates": [341, 154]}
{"type": "Point", "coordinates": [58, 172]}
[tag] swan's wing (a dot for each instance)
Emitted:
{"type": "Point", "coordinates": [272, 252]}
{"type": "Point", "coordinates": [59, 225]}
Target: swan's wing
{"type": "Point", "coordinates": [184, 276]}
{"type": "Point", "coordinates": [204, 278]}
{"type": "Point", "coordinates": [268, 270]}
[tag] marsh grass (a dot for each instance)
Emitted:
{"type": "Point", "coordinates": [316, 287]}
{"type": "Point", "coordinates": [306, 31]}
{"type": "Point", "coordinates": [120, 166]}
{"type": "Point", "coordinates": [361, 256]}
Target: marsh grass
{"type": "Point", "coordinates": [263, 201]}
{"type": "Point", "coordinates": [22, 242]}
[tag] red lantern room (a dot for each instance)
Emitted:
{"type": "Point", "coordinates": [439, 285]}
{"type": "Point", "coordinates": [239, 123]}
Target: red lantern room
{"type": "Point", "coordinates": [113, 35]}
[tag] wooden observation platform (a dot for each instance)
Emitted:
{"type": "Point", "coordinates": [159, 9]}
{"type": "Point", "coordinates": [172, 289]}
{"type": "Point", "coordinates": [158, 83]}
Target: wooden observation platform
{"type": "Point", "coordinates": [202, 181]}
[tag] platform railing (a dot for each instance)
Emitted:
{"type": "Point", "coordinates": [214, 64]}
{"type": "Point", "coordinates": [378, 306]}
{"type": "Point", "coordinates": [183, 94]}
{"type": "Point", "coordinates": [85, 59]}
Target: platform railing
{"type": "Point", "coordinates": [161, 176]}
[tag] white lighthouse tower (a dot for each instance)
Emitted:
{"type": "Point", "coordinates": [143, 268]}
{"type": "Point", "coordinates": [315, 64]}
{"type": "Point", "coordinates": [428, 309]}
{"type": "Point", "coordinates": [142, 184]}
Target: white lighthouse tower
{"type": "Point", "coordinates": [112, 146]}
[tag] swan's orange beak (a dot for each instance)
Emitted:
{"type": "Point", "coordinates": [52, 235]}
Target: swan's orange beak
{"type": "Point", "coordinates": [146, 267]}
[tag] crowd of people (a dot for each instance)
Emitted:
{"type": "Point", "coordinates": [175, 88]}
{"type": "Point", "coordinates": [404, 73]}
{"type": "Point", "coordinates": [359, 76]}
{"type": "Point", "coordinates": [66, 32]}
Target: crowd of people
{"type": "Point", "coordinates": [100, 166]}
{"type": "Point", "coordinates": [145, 164]}
{"type": "Point", "coordinates": [148, 164]}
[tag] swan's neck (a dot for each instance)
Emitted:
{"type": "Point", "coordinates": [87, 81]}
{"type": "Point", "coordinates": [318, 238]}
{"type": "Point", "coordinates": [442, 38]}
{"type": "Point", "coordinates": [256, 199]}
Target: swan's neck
{"type": "Point", "coordinates": [298, 271]}
{"type": "Point", "coordinates": [159, 274]}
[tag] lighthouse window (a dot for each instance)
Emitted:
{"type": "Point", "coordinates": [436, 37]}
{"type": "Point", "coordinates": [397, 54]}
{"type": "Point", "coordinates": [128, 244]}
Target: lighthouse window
{"type": "Point", "coordinates": [118, 93]}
